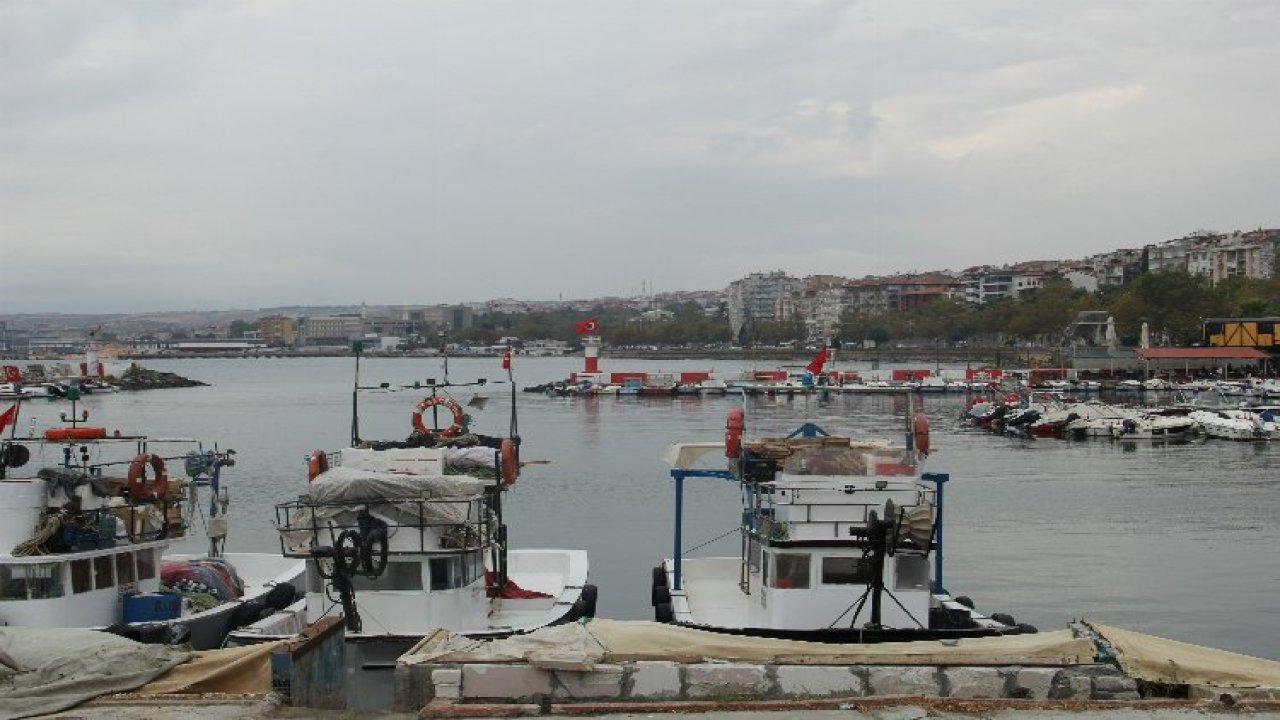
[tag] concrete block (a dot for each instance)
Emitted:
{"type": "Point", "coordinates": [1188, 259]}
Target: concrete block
{"type": "Point", "coordinates": [446, 692]}
{"type": "Point", "coordinates": [1033, 683]}
{"type": "Point", "coordinates": [974, 682]}
{"type": "Point", "coordinates": [508, 682]}
{"type": "Point", "coordinates": [818, 681]}
{"type": "Point", "coordinates": [654, 680]}
{"type": "Point", "coordinates": [725, 680]}
{"type": "Point", "coordinates": [605, 681]}
{"type": "Point", "coordinates": [904, 680]}
{"type": "Point", "coordinates": [1071, 687]}
{"type": "Point", "coordinates": [446, 676]}
{"type": "Point", "coordinates": [1111, 684]}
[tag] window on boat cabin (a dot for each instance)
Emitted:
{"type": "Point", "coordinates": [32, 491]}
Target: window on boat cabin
{"type": "Point", "coordinates": [103, 572]}
{"type": "Point", "coordinates": [124, 568]}
{"type": "Point", "coordinates": [446, 572]}
{"type": "Point", "coordinates": [474, 566]}
{"type": "Point", "coordinates": [397, 576]}
{"type": "Point", "coordinates": [36, 581]}
{"type": "Point", "coordinates": [81, 576]}
{"type": "Point", "coordinates": [146, 564]}
{"type": "Point", "coordinates": [911, 572]}
{"type": "Point", "coordinates": [846, 570]}
{"type": "Point", "coordinates": [790, 571]}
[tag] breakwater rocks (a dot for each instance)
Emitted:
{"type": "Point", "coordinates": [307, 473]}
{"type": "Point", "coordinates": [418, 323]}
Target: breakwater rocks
{"type": "Point", "coordinates": [140, 378]}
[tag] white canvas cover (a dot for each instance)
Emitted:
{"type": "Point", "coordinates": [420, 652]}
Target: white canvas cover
{"type": "Point", "coordinates": [44, 670]}
{"type": "Point", "coordinates": [1157, 659]}
{"type": "Point", "coordinates": [580, 646]}
{"type": "Point", "coordinates": [335, 496]}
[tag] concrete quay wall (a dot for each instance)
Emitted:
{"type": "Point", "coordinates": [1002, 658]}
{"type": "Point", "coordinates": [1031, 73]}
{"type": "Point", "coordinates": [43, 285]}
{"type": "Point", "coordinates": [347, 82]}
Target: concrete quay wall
{"type": "Point", "coordinates": [439, 686]}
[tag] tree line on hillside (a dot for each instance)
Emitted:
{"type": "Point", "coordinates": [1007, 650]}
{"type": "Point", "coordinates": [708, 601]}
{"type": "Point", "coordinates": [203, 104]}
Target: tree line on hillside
{"type": "Point", "coordinates": [1172, 303]}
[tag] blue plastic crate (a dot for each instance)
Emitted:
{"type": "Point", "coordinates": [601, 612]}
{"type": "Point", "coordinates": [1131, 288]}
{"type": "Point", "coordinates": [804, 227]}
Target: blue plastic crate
{"type": "Point", "coordinates": [151, 607]}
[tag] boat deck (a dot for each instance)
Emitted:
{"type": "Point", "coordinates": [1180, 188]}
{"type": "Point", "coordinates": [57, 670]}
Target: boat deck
{"type": "Point", "coordinates": [710, 592]}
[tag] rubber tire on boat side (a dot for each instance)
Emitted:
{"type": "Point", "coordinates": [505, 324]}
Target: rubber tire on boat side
{"type": "Point", "coordinates": [660, 595]}
{"type": "Point", "coordinates": [659, 576]}
{"type": "Point", "coordinates": [964, 600]}
{"type": "Point", "coordinates": [575, 612]}
{"type": "Point", "coordinates": [589, 596]}
{"type": "Point", "coordinates": [663, 613]}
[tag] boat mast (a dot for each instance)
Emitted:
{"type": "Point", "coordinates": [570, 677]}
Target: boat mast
{"type": "Point", "coordinates": [357, 346]}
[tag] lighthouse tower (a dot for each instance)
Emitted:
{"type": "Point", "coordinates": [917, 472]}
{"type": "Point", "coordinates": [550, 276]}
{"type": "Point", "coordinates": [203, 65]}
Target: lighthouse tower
{"type": "Point", "coordinates": [591, 354]}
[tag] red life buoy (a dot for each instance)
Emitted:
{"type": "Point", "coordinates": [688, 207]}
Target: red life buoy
{"type": "Point", "coordinates": [83, 432]}
{"type": "Point", "coordinates": [510, 462]}
{"type": "Point", "coordinates": [459, 419]}
{"type": "Point", "coordinates": [920, 432]}
{"type": "Point", "coordinates": [734, 424]}
{"type": "Point", "coordinates": [317, 463]}
{"type": "Point", "coordinates": [139, 487]}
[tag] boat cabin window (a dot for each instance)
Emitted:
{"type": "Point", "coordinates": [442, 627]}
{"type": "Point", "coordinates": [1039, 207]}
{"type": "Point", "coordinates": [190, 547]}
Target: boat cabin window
{"type": "Point", "coordinates": [912, 572]}
{"type": "Point", "coordinates": [81, 576]}
{"type": "Point", "coordinates": [474, 562]}
{"type": "Point", "coordinates": [446, 572]}
{"type": "Point", "coordinates": [790, 571]}
{"type": "Point", "coordinates": [846, 571]}
{"type": "Point", "coordinates": [397, 576]}
{"type": "Point", "coordinates": [124, 568]}
{"type": "Point", "coordinates": [37, 581]}
{"type": "Point", "coordinates": [146, 564]}
{"type": "Point", "coordinates": [103, 572]}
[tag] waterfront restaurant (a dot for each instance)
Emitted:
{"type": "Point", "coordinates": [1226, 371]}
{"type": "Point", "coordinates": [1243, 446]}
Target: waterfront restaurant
{"type": "Point", "coordinates": [1203, 361]}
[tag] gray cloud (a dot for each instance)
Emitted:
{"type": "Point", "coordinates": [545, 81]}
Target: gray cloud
{"type": "Point", "coordinates": [219, 154]}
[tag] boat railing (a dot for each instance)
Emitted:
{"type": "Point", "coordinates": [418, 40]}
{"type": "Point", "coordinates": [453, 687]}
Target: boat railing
{"type": "Point", "coordinates": [413, 526]}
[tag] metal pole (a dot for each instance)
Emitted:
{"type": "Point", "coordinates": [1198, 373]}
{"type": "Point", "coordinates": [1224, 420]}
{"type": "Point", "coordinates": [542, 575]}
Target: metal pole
{"type": "Point", "coordinates": [679, 476]}
{"type": "Point", "coordinates": [939, 480]}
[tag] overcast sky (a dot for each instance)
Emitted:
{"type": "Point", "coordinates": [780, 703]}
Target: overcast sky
{"type": "Point", "coordinates": [212, 155]}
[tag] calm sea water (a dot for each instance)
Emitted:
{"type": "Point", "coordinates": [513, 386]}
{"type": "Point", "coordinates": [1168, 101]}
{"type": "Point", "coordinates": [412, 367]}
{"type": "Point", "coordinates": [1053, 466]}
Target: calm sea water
{"type": "Point", "coordinates": [1181, 541]}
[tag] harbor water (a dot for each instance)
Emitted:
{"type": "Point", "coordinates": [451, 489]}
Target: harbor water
{"type": "Point", "coordinates": [1181, 541]}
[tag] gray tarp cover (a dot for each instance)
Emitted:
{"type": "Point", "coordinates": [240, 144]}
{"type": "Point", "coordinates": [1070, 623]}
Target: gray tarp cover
{"type": "Point", "coordinates": [44, 670]}
{"type": "Point", "coordinates": [336, 494]}
{"type": "Point", "coordinates": [580, 646]}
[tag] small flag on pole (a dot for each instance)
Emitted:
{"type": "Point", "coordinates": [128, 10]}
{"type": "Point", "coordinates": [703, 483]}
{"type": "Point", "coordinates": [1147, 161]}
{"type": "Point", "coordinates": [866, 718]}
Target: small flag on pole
{"type": "Point", "coordinates": [590, 326]}
{"type": "Point", "coordinates": [12, 373]}
{"type": "Point", "coordinates": [7, 417]}
{"type": "Point", "coordinates": [506, 359]}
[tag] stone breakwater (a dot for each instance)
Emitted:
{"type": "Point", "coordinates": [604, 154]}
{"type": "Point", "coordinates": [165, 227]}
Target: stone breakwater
{"type": "Point", "coordinates": [140, 378]}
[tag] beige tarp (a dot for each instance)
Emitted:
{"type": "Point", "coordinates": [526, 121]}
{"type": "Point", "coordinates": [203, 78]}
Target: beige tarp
{"type": "Point", "coordinates": [1147, 657]}
{"type": "Point", "coordinates": [242, 670]}
{"type": "Point", "coordinates": [581, 646]}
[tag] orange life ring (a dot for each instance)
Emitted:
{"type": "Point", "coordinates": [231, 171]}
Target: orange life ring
{"type": "Point", "coordinates": [138, 485]}
{"type": "Point", "coordinates": [75, 433]}
{"type": "Point", "coordinates": [317, 463]}
{"type": "Point", "coordinates": [459, 419]}
{"type": "Point", "coordinates": [920, 432]}
{"type": "Point", "coordinates": [734, 424]}
{"type": "Point", "coordinates": [510, 462]}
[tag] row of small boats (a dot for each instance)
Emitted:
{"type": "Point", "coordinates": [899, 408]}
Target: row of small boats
{"type": "Point", "coordinates": [1047, 414]}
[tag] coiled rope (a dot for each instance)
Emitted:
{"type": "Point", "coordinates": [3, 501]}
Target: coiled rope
{"type": "Point", "coordinates": [35, 546]}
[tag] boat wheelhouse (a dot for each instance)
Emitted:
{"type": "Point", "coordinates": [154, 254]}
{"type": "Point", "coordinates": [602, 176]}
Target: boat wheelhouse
{"type": "Point", "coordinates": [841, 542]}
{"type": "Point", "coordinates": [83, 540]}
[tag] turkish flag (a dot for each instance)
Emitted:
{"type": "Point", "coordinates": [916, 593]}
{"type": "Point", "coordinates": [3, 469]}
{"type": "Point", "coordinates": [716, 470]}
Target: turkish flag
{"type": "Point", "coordinates": [506, 359]}
{"type": "Point", "coordinates": [815, 365]}
{"type": "Point", "coordinates": [590, 326]}
{"type": "Point", "coordinates": [7, 417]}
{"type": "Point", "coordinates": [12, 373]}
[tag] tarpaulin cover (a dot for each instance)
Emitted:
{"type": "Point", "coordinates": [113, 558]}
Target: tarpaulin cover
{"type": "Point", "coordinates": [581, 646]}
{"type": "Point", "coordinates": [44, 670]}
{"type": "Point", "coordinates": [1156, 659]}
{"type": "Point", "coordinates": [240, 671]}
{"type": "Point", "coordinates": [219, 576]}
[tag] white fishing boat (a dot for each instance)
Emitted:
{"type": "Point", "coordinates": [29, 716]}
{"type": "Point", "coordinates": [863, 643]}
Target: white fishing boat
{"type": "Point", "coordinates": [86, 521]}
{"type": "Point", "coordinates": [841, 542]}
{"type": "Point", "coordinates": [403, 537]}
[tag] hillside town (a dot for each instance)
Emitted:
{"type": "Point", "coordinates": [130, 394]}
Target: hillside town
{"type": "Point", "coordinates": [816, 306]}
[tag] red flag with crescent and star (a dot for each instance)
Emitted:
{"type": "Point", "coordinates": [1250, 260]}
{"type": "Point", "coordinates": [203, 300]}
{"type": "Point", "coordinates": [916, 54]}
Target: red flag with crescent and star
{"type": "Point", "coordinates": [590, 326]}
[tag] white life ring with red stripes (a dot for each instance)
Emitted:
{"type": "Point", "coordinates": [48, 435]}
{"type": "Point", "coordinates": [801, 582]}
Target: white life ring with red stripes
{"type": "Point", "coordinates": [459, 418]}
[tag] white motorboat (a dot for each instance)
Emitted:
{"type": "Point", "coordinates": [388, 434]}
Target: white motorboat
{"type": "Point", "coordinates": [83, 539]}
{"type": "Point", "coordinates": [837, 539]}
{"type": "Point", "coordinates": [1135, 425]}
{"type": "Point", "coordinates": [403, 537]}
{"type": "Point", "coordinates": [1238, 423]}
